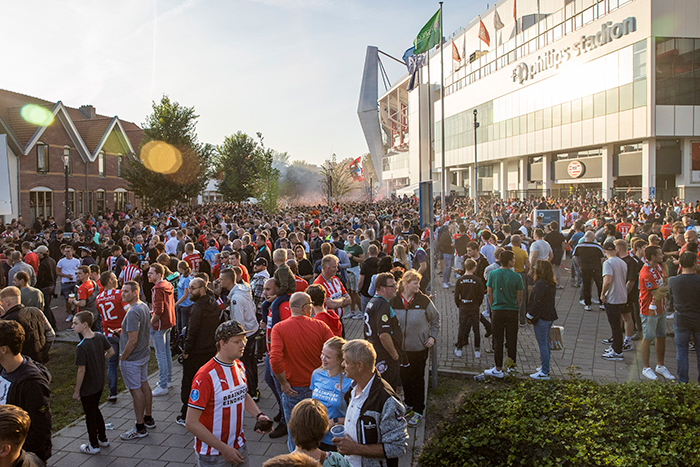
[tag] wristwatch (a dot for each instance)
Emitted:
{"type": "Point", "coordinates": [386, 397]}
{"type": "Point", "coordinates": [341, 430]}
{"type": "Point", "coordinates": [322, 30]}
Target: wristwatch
{"type": "Point", "coordinates": [335, 420]}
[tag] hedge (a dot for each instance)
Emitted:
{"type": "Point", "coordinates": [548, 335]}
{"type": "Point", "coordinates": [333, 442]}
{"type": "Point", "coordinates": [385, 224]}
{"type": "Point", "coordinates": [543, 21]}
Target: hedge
{"type": "Point", "coordinates": [572, 423]}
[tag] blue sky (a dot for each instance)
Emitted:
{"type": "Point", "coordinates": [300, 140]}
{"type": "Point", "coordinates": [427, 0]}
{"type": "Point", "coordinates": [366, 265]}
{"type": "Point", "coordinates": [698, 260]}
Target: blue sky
{"type": "Point", "coordinates": [290, 69]}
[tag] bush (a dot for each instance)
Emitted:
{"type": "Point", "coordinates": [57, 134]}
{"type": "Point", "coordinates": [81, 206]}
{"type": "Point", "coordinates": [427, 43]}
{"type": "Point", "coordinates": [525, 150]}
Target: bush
{"type": "Point", "coordinates": [572, 423]}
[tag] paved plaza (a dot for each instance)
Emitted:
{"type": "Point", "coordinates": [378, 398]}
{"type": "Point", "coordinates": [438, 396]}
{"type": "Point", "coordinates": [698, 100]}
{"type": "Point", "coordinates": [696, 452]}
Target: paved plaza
{"type": "Point", "coordinates": [170, 445]}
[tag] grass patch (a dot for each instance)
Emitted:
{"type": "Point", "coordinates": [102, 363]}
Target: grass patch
{"type": "Point", "coordinates": [64, 409]}
{"type": "Point", "coordinates": [573, 423]}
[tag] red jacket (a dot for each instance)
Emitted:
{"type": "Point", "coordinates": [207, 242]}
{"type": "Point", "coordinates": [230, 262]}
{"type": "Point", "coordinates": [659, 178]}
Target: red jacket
{"type": "Point", "coordinates": [163, 299]}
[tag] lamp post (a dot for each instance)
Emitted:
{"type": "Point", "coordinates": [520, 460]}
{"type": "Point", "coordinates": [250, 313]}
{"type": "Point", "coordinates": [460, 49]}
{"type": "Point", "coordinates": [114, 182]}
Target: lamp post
{"type": "Point", "coordinates": [476, 172]}
{"type": "Point", "coordinates": [66, 163]}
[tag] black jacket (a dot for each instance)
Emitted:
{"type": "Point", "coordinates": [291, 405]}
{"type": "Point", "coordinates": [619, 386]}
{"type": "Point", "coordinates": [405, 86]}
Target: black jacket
{"type": "Point", "coordinates": [32, 321]}
{"type": "Point", "coordinates": [201, 326]}
{"type": "Point", "coordinates": [542, 302]}
{"type": "Point", "coordinates": [46, 277]}
{"type": "Point", "coordinates": [469, 291]}
{"type": "Point", "coordinates": [31, 391]}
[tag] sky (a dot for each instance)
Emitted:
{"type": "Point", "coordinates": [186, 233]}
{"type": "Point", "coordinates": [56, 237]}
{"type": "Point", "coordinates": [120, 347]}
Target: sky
{"type": "Point", "coordinates": [290, 69]}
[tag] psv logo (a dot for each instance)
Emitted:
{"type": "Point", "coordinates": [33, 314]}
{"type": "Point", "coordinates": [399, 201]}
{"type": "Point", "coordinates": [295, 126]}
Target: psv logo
{"type": "Point", "coordinates": [575, 169]}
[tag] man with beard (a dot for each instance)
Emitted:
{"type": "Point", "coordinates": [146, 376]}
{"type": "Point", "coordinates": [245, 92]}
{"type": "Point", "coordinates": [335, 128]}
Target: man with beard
{"type": "Point", "coordinates": [199, 340]}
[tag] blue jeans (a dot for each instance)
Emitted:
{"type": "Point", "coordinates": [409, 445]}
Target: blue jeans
{"type": "Point", "coordinates": [112, 365]}
{"type": "Point", "coordinates": [288, 403]}
{"type": "Point", "coordinates": [447, 272]}
{"type": "Point", "coordinates": [541, 329]}
{"type": "Point", "coordinates": [161, 343]}
{"type": "Point", "coordinates": [683, 334]}
{"type": "Point", "coordinates": [183, 314]}
{"type": "Point", "coordinates": [363, 302]}
{"type": "Point", "coordinates": [274, 385]}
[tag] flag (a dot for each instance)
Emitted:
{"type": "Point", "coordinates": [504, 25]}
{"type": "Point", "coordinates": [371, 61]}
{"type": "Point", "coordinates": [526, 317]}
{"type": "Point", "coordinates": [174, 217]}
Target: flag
{"type": "Point", "coordinates": [455, 52]}
{"type": "Point", "coordinates": [484, 34]}
{"type": "Point", "coordinates": [497, 23]}
{"type": "Point", "coordinates": [413, 63]}
{"type": "Point", "coordinates": [429, 36]}
{"type": "Point", "coordinates": [515, 16]}
{"type": "Point", "coordinates": [356, 171]}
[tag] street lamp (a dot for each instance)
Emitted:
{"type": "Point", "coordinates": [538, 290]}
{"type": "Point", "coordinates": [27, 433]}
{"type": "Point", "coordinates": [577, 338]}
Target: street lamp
{"type": "Point", "coordinates": [476, 172]}
{"type": "Point", "coordinates": [66, 163]}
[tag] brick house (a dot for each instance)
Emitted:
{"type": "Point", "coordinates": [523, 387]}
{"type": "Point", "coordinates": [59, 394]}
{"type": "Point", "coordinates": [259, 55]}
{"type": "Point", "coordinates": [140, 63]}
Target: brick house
{"type": "Point", "coordinates": [98, 146]}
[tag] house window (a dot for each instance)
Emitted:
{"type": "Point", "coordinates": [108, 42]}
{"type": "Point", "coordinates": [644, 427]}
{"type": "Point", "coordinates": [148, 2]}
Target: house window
{"type": "Point", "coordinates": [120, 200]}
{"type": "Point", "coordinates": [70, 202]}
{"type": "Point", "coordinates": [42, 158]}
{"type": "Point", "coordinates": [120, 161]}
{"type": "Point", "coordinates": [40, 204]}
{"type": "Point", "coordinates": [100, 202]}
{"type": "Point", "coordinates": [81, 204]}
{"type": "Point", "coordinates": [101, 164]}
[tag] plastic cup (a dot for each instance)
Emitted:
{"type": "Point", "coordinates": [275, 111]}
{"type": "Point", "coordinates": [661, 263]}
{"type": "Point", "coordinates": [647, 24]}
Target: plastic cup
{"type": "Point", "coordinates": [71, 296]}
{"type": "Point", "coordinates": [338, 431]}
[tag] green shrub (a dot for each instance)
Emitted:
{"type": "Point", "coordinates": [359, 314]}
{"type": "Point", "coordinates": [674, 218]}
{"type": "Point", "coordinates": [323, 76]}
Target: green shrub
{"type": "Point", "coordinates": [572, 423]}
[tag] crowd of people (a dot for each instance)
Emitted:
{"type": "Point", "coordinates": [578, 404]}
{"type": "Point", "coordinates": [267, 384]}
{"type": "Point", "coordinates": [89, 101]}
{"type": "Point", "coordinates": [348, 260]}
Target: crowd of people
{"type": "Point", "coordinates": [226, 288]}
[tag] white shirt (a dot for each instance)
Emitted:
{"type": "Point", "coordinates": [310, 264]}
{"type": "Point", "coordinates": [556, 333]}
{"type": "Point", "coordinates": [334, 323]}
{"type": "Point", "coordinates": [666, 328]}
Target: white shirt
{"type": "Point", "coordinates": [352, 415]}
{"type": "Point", "coordinates": [68, 267]}
{"type": "Point", "coordinates": [171, 246]}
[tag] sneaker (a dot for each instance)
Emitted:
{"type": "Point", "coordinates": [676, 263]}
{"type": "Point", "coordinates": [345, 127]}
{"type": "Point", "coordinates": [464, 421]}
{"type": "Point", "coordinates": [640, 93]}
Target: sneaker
{"type": "Point", "coordinates": [691, 346]}
{"type": "Point", "coordinates": [663, 371]}
{"type": "Point", "coordinates": [159, 391]}
{"type": "Point", "coordinates": [540, 376]}
{"type": "Point", "coordinates": [112, 399]}
{"type": "Point", "coordinates": [445, 286]}
{"type": "Point", "coordinates": [415, 420]}
{"type": "Point", "coordinates": [451, 284]}
{"type": "Point", "coordinates": [576, 286]}
{"type": "Point", "coordinates": [477, 354]}
{"type": "Point", "coordinates": [494, 372]}
{"type": "Point", "coordinates": [649, 374]}
{"type": "Point", "coordinates": [670, 315]}
{"type": "Point", "coordinates": [627, 346]}
{"type": "Point", "coordinates": [458, 352]}
{"type": "Point", "coordinates": [87, 449]}
{"type": "Point", "coordinates": [357, 316]}
{"type": "Point", "coordinates": [133, 434]}
{"type": "Point", "coordinates": [582, 302]}
{"type": "Point", "coordinates": [587, 308]}
{"type": "Point", "coordinates": [279, 431]}
{"type": "Point", "coordinates": [560, 286]}
{"type": "Point", "coordinates": [617, 357]}
{"type": "Point", "coordinates": [593, 300]}
{"type": "Point", "coordinates": [150, 423]}
{"type": "Point", "coordinates": [180, 420]}
{"type": "Point", "coordinates": [104, 444]}
{"type": "Point", "coordinates": [607, 341]}
{"type": "Point", "coordinates": [636, 336]}
{"type": "Point", "coordinates": [601, 307]}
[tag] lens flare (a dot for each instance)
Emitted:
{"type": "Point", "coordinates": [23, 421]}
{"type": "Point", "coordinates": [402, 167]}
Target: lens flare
{"type": "Point", "coordinates": [161, 157]}
{"type": "Point", "coordinates": [36, 115]}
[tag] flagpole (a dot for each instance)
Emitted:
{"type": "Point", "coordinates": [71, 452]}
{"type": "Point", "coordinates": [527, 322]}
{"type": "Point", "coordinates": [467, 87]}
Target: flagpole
{"type": "Point", "coordinates": [442, 110]}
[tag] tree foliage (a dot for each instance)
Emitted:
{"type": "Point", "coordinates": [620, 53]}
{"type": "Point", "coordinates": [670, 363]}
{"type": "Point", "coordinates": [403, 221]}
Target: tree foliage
{"type": "Point", "coordinates": [245, 170]}
{"type": "Point", "coordinates": [336, 180]}
{"type": "Point", "coordinates": [174, 124]}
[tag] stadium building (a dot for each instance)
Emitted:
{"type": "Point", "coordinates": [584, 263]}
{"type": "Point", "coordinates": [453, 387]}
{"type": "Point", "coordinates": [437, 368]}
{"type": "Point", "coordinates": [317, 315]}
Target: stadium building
{"type": "Point", "coordinates": [570, 95]}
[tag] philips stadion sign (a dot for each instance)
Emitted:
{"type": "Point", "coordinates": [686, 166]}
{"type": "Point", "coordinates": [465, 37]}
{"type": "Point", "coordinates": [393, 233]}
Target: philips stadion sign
{"type": "Point", "coordinates": [554, 58]}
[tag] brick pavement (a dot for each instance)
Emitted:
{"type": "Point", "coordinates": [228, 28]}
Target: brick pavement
{"type": "Point", "coordinates": [169, 444]}
{"type": "Point", "coordinates": [583, 332]}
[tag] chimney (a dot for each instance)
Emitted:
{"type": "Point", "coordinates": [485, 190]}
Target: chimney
{"type": "Point", "coordinates": [88, 111]}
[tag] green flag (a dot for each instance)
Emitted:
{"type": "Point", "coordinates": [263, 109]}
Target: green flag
{"type": "Point", "coordinates": [429, 36]}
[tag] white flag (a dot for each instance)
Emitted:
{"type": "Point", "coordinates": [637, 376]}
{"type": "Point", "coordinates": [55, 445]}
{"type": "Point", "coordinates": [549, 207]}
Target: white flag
{"type": "Point", "coordinates": [497, 23]}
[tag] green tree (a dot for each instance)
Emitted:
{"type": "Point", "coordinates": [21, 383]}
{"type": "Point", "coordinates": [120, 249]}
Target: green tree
{"type": "Point", "coordinates": [186, 174]}
{"type": "Point", "coordinates": [245, 168]}
{"type": "Point", "coordinates": [336, 180]}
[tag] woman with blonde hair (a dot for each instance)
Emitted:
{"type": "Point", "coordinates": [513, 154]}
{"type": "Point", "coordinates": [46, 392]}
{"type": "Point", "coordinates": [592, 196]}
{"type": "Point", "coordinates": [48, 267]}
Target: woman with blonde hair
{"type": "Point", "coordinates": [541, 312]}
{"type": "Point", "coordinates": [420, 326]}
{"type": "Point", "coordinates": [328, 385]}
{"type": "Point", "coordinates": [400, 257]}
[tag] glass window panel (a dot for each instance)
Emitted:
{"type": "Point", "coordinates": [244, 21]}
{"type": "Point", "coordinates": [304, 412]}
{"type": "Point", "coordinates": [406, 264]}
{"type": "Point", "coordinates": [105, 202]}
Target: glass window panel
{"type": "Point", "coordinates": [547, 117]}
{"type": "Point", "coordinates": [524, 128]}
{"type": "Point", "coordinates": [611, 101]}
{"type": "Point", "coordinates": [696, 60]}
{"type": "Point", "coordinates": [538, 118]}
{"type": "Point", "coordinates": [599, 104]}
{"type": "Point", "coordinates": [509, 128]}
{"type": "Point", "coordinates": [576, 110]}
{"type": "Point", "coordinates": [683, 62]}
{"type": "Point", "coordinates": [612, 5]}
{"type": "Point", "coordinates": [587, 107]}
{"type": "Point", "coordinates": [697, 91]}
{"type": "Point", "coordinates": [626, 97]}
{"type": "Point", "coordinates": [566, 113]}
{"type": "Point", "coordinates": [588, 15]}
{"type": "Point", "coordinates": [516, 126]}
{"type": "Point", "coordinates": [640, 93]}
{"type": "Point", "coordinates": [684, 91]}
{"type": "Point", "coordinates": [497, 131]}
{"type": "Point", "coordinates": [665, 53]}
{"type": "Point", "coordinates": [602, 8]}
{"type": "Point", "coordinates": [503, 128]}
{"type": "Point", "coordinates": [556, 115]}
{"type": "Point", "coordinates": [557, 32]}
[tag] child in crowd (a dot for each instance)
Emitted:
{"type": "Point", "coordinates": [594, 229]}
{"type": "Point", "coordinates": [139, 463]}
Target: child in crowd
{"type": "Point", "coordinates": [91, 354]}
{"type": "Point", "coordinates": [284, 278]}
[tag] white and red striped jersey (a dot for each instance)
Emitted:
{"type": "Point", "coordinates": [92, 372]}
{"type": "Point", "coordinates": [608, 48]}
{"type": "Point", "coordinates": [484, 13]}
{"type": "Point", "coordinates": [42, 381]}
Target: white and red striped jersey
{"type": "Point", "coordinates": [129, 273]}
{"type": "Point", "coordinates": [193, 261]}
{"type": "Point", "coordinates": [109, 304]}
{"type": "Point", "coordinates": [219, 390]}
{"type": "Point", "coordinates": [334, 290]}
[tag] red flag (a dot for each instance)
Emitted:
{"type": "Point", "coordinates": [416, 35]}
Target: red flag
{"type": "Point", "coordinates": [455, 52]}
{"type": "Point", "coordinates": [484, 34]}
{"type": "Point", "coordinates": [515, 16]}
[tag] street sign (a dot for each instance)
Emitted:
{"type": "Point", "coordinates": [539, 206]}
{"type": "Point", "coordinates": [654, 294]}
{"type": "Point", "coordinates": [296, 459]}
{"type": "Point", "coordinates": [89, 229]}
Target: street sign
{"type": "Point", "coordinates": [652, 192]}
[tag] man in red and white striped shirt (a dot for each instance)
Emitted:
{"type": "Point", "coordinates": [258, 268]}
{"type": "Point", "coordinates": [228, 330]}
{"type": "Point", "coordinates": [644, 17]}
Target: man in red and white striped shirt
{"type": "Point", "coordinates": [218, 397]}
{"type": "Point", "coordinates": [336, 295]}
{"type": "Point", "coordinates": [132, 272]}
{"type": "Point", "coordinates": [110, 306]}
